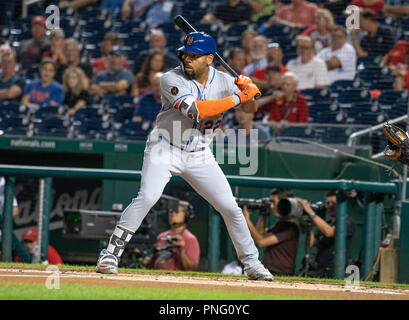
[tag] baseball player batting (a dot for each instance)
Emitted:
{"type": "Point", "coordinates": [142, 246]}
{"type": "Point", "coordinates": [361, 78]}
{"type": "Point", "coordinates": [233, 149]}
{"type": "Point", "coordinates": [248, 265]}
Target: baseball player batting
{"type": "Point", "coordinates": [194, 97]}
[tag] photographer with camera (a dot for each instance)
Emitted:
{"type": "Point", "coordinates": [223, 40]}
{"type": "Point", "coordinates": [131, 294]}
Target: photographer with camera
{"type": "Point", "coordinates": [324, 239]}
{"type": "Point", "coordinates": [177, 248]}
{"type": "Point", "coordinates": [280, 240]}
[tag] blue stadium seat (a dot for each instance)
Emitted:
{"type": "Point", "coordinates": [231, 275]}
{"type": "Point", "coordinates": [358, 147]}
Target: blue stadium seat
{"type": "Point", "coordinates": [351, 96]}
{"type": "Point", "coordinates": [52, 127]}
{"type": "Point", "coordinates": [134, 131]}
{"type": "Point", "coordinates": [92, 129]}
{"type": "Point", "coordinates": [119, 114]}
{"type": "Point", "coordinates": [12, 108]}
{"type": "Point", "coordinates": [298, 132]}
{"type": "Point", "coordinates": [342, 85]}
{"type": "Point", "coordinates": [49, 112]}
{"type": "Point", "coordinates": [15, 125]}
{"type": "Point", "coordinates": [331, 117]}
{"type": "Point", "coordinates": [370, 118]}
{"type": "Point", "coordinates": [87, 113]}
{"type": "Point", "coordinates": [335, 135]}
{"type": "Point", "coordinates": [315, 94]}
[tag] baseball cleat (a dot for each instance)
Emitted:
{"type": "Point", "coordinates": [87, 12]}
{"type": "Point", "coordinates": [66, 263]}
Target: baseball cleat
{"type": "Point", "coordinates": [260, 273]}
{"type": "Point", "coordinates": [107, 263]}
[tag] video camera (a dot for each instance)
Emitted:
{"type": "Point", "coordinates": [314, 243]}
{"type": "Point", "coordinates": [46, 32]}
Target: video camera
{"type": "Point", "coordinates": [263, 205]}
{"type": "Point", "coordinates": [291, 207]}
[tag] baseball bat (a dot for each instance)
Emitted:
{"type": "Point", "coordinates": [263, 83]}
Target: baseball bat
{"type": "Point", "coordinates": [186, 27]}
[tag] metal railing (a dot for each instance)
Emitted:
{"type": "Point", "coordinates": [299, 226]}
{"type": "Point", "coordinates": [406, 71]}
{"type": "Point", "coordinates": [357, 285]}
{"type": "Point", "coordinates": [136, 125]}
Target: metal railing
{"type": "Point", "coordinates": [372, 212]}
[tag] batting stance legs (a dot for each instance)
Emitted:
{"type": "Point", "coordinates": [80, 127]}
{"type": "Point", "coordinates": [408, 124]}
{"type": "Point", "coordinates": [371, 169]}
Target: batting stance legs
{"type": "Point", "coordinates": [202, 172]}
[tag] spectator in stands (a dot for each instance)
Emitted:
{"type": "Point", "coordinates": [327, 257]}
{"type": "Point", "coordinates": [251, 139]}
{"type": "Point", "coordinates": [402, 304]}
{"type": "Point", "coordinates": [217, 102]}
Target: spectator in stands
{"type": "Point", "coordinates": [75, 85]}
{"type": "Point", "coordinates": [402, 77]}
{"type": "Point", "coordinates": [261, 8]}
{"type": "Point", "coordinates": [134, 8]}
{"type": "Point", "coordinates": [236, 59]}
{"type": "Point", "coordinates": [157, 41]}
{"type": "Point", "coordinates": [324, 239]}
{"type": "Point", "coordinates": [116, 80]}
{"type": "Point", "coordinates": [44, 91]}
{"type": "Point", "coordinates": [396, 11]}
{"type": "Point", "coordinates": [246, 41]}
{"type": "Point", "coordinates": [398, 54]}
{"type": "Point", "coordinates": [228, 12]}
{"type": "Point", "coordinates": [182, 250]}
{"type": "Point", "coordinates": [56, 51]}
{"type": "Point", "coordinates": [72, 54]}
{"type": "Point", "coordinates": [111, 39]}
{"type": "Point", "coordinates": [289, 105]}
{"type": "Point", "coordinates": [78, 4]}
{"type": "Point", "coordinates": [31, 50]}
{"type": "Point", "coordinates": [11, 84]}
{"type": "Point", "coordinates": [273, 76]}
{"type": "Point", "coordinates": [298, 14]}
{"type": "Point", "coordinates": [153, 64]}
{"type": "Point", "coordinates": [258, 55]}
{"type": "Point", "coordinates": [29, 239]}
{"type": "Point", "coordinates": [340, 57]}
{"type": "Point", "coordinates": [310, 70]}
{"type": "Point", "coordinates": [375, 5]}
{"type": "Point", "coordinates": [159, 12]}
{"type": "Point", "coordinates": [280, 240]}
{"type": "Point", "coordinates": [320, 32]}
{"type": "Point", "coordinates": [337, 7]}
{"type": "Point", "coordinates": [274, 58]}
{"type": "Point", "coordinates": [379, 40]}
{"type": "Point", "coordinates": [149, 105]}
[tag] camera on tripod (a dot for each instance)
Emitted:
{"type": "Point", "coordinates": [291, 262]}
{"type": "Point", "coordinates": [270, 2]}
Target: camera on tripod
{"type": "Point", "coordinates": [291, 207]}
{"type": "Point", "coordinates": [263, 205]}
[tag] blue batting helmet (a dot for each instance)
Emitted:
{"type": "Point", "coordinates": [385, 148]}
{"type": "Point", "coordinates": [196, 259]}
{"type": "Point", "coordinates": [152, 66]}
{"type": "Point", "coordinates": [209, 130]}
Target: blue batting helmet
{"type": "Point", "coordinates": [199, 43]}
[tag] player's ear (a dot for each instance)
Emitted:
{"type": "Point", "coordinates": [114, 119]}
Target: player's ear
{"type": "Point", "coordinates": [209, 58]}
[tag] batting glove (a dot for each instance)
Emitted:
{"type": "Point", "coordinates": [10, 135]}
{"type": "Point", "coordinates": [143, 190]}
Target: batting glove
{"type": "Point", "coordinates": [242, 82]}
{"type": "Point", "coordinates": [248, 93]}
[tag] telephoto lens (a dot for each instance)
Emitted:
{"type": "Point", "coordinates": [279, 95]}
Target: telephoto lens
{"type": "Point", "coordinates": [290, 207]}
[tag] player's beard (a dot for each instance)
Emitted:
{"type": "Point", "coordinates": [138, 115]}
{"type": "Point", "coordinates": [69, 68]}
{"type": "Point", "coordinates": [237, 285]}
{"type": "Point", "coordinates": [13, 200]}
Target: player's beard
{"type": "Point", "coordinates": [191, 74]}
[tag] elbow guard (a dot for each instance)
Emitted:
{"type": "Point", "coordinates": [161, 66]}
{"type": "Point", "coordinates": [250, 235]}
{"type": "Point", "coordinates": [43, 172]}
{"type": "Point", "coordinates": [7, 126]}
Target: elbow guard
{"type": "Point", "coordinates": [188, 108]}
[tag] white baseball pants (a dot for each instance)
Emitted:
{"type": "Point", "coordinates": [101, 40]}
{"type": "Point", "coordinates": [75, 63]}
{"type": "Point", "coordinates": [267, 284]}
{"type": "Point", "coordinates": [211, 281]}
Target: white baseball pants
{"type": "Point", "coordinates": [202, 172]}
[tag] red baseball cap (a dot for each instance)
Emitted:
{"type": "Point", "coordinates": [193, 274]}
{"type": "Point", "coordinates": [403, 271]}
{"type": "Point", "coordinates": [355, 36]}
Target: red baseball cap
{"type": "Point", "coordinates": [38, 19]}
{"type": "Point", "coordinates": [30, 234]}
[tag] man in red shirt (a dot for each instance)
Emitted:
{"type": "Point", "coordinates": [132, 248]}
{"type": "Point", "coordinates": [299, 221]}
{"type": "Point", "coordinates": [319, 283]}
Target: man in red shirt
{"type": "Point", "coordinates": [289, 105]}
{"type": "Point", "coordinates": [177, 248]}
{"type": "Point", "coordinates": [29, 238]}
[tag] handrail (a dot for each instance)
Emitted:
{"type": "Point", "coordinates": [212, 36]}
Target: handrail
{"type": "Point", "coordinates": [262, 182]}
{"type": "Point", "coordinates": [353, 136]}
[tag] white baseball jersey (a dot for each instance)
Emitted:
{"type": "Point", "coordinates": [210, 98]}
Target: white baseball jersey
{"type": "Point", "coordinates": [178, 129]}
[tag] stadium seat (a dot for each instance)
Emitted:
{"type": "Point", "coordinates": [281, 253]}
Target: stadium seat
{"type": "Point", "coordinates": [87, 113]}
{"type": "Point", "coordinates": [134, 131]}
{"type": "Point", "coordinates": [15, 125]}
{"type": "Point", "coordinates": [93, 129]}
{"type": "Point", "coordinates": [330, 117]}
{"type": "Point", "coordinates": [12, 108]}
{"type": "Point", "coordinates": [52, 127]}
{"type": "Point", "coordinates": [341, 85]}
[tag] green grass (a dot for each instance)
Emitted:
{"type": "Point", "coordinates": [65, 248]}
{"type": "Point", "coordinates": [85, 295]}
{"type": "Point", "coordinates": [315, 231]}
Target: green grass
{"type": "Point", "coordinates": [78, 292]}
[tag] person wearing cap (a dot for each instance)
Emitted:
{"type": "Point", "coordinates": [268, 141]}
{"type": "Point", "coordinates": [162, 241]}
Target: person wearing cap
{"type": "Point", "coordinates": [30, 242]}
{"type": "Point", "coordinates": [116, 80]}
{"type": "Point", "coordinates": [45, 91]}
{"type": "Point", "coordinates": [274, 58]}
{"type": "Point", "coordinates": [72, 54]}
{"type": "Point", "coordinates": [11, 84]}
{"type": "Point", "coordinates": [31, 50]}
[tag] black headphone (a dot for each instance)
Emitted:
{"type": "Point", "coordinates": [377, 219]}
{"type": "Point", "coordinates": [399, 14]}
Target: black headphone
{"type": "Point", "coordinates": [189, 213]}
